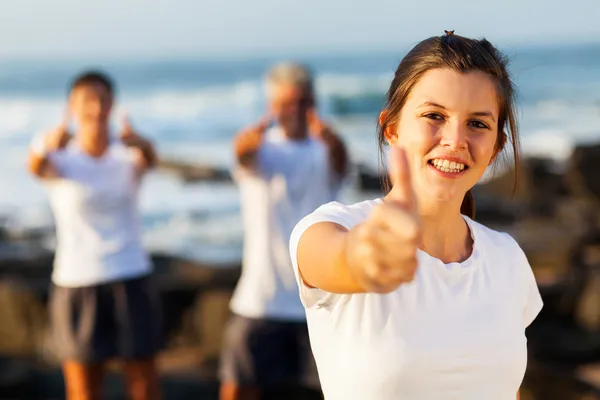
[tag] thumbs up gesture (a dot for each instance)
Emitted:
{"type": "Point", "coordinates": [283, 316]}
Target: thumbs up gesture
{"type": "Point", "coordinates": [316, 126]}
{"type": "Point", "coordinates": [128, 135]}
{"type": "Point", "coordinates": [248, 141]}
{"type": "Point", "coordinates": [382, 251]}
{"type": "Point", "coordinates": [58, 137]}
{"type": "Point", "coordinates": [253, 135]}
{"type": "Point", "coordinates": [142, 149]}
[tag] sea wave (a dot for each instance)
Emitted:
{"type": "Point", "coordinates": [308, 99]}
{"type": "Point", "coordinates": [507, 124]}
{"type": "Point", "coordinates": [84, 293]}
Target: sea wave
{"type": "Point", "coordinates": [196, 124]}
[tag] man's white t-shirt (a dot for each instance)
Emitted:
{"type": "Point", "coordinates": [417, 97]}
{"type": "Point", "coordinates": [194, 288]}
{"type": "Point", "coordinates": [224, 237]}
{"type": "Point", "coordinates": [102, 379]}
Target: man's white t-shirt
{"type": "Point", "coordinates": [95, 208]}
{"type": "Point", "coordinates": [292, 179]}
{"type": "Point", "coordinates": [456, 332]}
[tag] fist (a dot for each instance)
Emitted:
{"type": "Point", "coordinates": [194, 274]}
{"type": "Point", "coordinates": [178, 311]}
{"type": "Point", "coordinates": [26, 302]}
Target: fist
{"type": "Point", "coordinates": [316, 126]}
{"type": "Point", "coordinates": [256, 131]}
{"type": "Point", "coordinates": [128, 135]}
{"type": "Point", "coordinates": [251, 138]}
{"type": "Point", "coordinates": [382, 251]}
{"type": "Point", "coordinates": [57, 138]}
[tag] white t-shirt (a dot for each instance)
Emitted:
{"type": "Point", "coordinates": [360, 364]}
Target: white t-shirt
{"type": "Point", "coordinates": [293, 178]}
{"type": "Point", "coordinates": [456, 332]}
{"type": "Point", "coordinates": [94, 203]}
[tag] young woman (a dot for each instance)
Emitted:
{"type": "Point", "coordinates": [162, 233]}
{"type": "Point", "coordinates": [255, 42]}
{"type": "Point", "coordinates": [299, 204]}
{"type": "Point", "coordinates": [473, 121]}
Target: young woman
{"type": "Point", "coordinates": [407, 297]}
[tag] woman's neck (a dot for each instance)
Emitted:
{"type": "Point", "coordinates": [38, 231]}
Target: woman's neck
{"type": "Point", "coordinates": [445, 234]}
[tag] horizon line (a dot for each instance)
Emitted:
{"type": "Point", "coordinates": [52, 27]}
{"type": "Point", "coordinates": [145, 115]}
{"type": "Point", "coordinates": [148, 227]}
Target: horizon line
{"type": "Point", "coordinates": [267, 54]}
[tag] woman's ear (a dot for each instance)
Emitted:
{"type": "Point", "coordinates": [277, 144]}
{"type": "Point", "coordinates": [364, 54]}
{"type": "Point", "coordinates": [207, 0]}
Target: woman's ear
{"type": "Point", "coordinates": [389, 128]}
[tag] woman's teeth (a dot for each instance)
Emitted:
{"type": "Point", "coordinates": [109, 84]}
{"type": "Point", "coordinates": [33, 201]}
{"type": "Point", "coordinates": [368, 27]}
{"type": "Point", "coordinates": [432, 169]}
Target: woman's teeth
{"type": "Point", "coordinates": [447, 166]}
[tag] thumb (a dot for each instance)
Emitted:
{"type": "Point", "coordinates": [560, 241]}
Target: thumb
{"type": "Point", "coordinates": [264, 123]}
{"type": "Point", "coordinates": [126, 123]}
{"type": "Point", "coordinates": [314, 122]}
{"type": "Point", "coordinates": [65, 123]}
{"type": "Point", "coordinates": [399, 173]}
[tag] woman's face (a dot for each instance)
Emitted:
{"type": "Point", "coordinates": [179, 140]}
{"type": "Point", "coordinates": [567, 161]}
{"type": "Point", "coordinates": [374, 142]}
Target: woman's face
{"type": "Point", "coordinates": [448, 128]}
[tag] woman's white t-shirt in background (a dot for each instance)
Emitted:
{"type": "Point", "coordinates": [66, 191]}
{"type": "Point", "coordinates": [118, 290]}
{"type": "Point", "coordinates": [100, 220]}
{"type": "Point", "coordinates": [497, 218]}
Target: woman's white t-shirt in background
{"type": "Point", "coordinates": [94, 203]}
{"type": "Point", "coordinates": [456, 332]}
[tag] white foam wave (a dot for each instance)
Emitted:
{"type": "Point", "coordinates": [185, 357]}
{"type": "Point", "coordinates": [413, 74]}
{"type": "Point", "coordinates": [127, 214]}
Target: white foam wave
{"type": "Point", "coordinates": [352, 85]}
{"type": "Point", "coordinates": [555, 144]}
{"type": "Point", "coordinates": [162, 193]}
{"type": "Point", "coordinates": [550, 128]}
{"type": "Point", "coordinates": [190, 103]}
{"type": "Point", "coordinates": [234, 104]}
{"type": "Point", "coordinates": [19, 115]}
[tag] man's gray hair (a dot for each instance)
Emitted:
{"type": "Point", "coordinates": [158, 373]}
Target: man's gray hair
{"type": "Point", "coordinates": [290, 73]}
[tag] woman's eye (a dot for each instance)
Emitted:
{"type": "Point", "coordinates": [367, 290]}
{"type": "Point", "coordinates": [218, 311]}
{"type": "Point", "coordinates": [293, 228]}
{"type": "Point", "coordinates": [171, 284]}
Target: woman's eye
{"type": "Point", "coordinates": [435, 116]}
{"type": "Point", "coordinates": [478, 125]}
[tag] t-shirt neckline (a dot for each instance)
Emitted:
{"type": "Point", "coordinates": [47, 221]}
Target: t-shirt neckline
{"type": "Point", "coordinates": [465, 265]}
{"type": "Point", "coordinates": [76, 145]}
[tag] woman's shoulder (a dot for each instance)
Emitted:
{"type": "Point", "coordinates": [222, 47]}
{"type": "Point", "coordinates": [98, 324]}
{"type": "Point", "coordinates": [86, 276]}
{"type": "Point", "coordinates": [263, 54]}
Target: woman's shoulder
{"type": "Point", "coordinates": [355, 212]}
{"type": "Point", "coordinates": [492, 238]}
{"type": "Point", "coordinates": [346, 215]}
{"type": "Point", "coordinates": [354, 208]}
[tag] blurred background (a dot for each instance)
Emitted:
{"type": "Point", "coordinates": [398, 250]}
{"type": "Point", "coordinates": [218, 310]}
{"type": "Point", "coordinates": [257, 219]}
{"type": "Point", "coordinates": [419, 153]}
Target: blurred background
{"type": "Point", "coordinates": [189, 75]}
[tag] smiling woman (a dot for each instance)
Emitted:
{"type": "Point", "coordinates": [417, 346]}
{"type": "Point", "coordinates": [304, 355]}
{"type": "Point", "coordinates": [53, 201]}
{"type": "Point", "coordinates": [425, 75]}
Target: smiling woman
{"type": "Point", "coordinates": [458, 130]}
{"type": "Point", "coordinates": [407, 297]}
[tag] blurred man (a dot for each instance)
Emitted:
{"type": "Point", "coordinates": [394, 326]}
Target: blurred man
{"type": "Point", "coordinates": [102, 304]}
{"type": "Point", "coordinates": [288, 164]}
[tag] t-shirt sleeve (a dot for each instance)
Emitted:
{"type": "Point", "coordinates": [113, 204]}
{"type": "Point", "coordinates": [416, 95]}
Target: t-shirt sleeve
{"type": "Point", "coordinates": [56, 158]}
{"type": "Point", "coordinates": [533, 302]}
{"type": "Point", "coordinates": [532, 299]}
{"type": "Point", "coordinates": [332, 212]}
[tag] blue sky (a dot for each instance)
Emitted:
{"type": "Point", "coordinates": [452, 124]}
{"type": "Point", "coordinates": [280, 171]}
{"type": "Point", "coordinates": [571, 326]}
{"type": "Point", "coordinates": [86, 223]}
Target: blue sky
{"type": "Point", "coordinates": [163, 28]}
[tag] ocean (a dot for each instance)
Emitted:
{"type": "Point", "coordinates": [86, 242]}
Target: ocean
{"type": "Point", "coordinates": [191, 109]}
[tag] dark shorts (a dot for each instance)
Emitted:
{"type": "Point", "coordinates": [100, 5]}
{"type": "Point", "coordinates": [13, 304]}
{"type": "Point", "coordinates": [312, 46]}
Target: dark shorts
{"type": "Point", "coordinates": [267, 354]}
{"type": "Point", "coordinates": [119, 319]}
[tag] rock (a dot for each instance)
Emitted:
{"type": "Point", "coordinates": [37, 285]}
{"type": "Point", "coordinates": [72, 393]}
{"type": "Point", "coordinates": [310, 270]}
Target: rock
{"type": "Point", "coordinates": [368, 179]}
{"type": "Point", "coordinates": [15, 378]}
{"type": "Point", "coordinates": [582, 177]}
{"type": "Point", "coordinates": [24, 319]}
{"type": "Point", "coordinates": [587, 314]}
{"type": "Point", "coordinates": [549, 381]}
{"type": "Point", "coordinates": [537, 192]}
{"type": "Point", "coordinates": [191, 172]}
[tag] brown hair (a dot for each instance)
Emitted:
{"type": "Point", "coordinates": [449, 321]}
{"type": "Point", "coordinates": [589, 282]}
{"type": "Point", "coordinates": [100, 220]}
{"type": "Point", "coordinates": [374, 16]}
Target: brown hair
{"type": "Point", "coordinates": [93, 77]}
{"type": "Point", "coordinates": [463, 55]}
